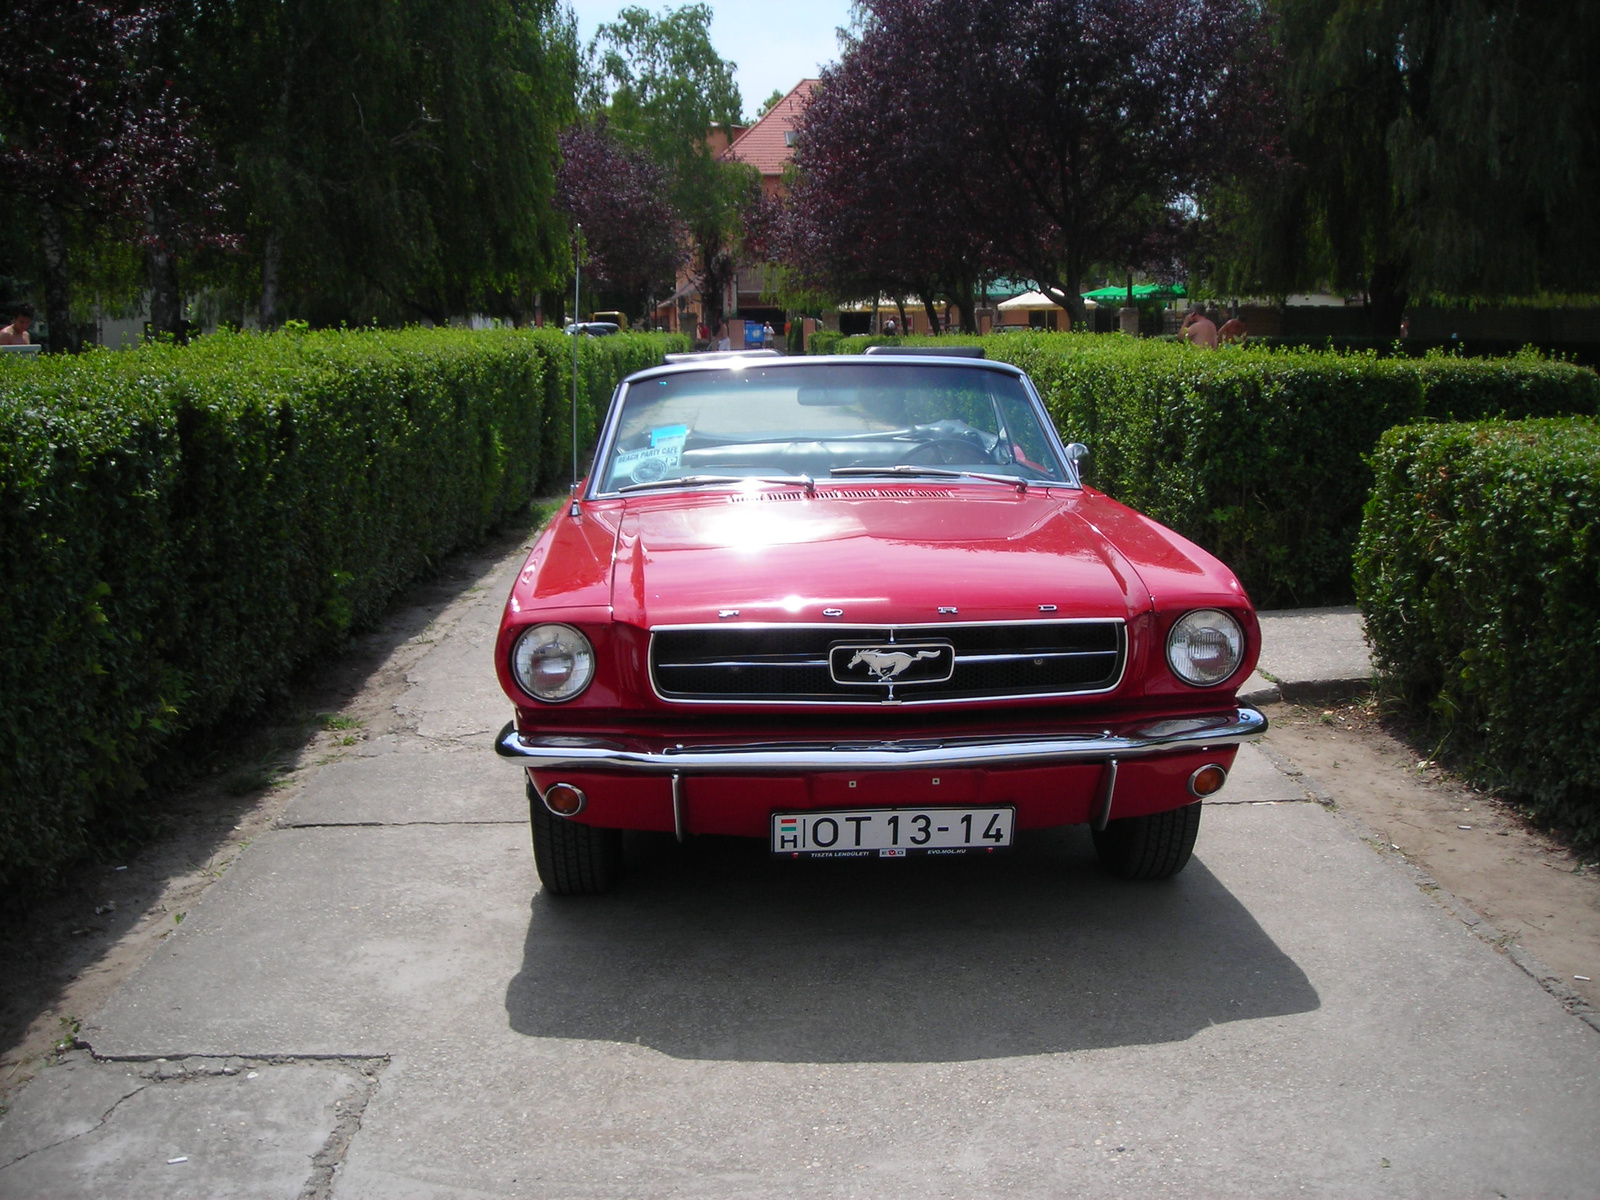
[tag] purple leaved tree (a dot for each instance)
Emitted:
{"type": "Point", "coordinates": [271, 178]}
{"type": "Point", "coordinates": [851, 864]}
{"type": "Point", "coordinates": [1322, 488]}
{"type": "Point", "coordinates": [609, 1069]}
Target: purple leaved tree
{"type": "Point", "coordinates": [634, 241]}
{"type": "Point", "coordinates": [1043, 137]}
{"type": "Point", "coordinates": [882, 203]}
{"type": "Point", "coordinates": [94, 132]}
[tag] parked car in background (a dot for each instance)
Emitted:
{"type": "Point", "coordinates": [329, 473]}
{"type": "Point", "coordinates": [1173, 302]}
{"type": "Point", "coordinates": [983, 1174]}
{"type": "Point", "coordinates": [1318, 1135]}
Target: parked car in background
{"type": "Point", "coordinates": [864, 607]}
{"type": "Point", "coordinates": [593, 328]}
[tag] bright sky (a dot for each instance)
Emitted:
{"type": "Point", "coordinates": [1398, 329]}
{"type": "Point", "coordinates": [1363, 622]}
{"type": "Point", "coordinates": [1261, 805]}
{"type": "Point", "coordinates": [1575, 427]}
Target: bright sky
{"type": "Point", "coordinates": [774, 45]}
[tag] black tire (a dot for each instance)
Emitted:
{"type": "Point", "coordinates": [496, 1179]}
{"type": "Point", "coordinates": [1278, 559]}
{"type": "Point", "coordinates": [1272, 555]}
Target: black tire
{"type": "Point", "coordinates": [572, 859]}
{"type": "Point", "coordinates": [1153, 847]}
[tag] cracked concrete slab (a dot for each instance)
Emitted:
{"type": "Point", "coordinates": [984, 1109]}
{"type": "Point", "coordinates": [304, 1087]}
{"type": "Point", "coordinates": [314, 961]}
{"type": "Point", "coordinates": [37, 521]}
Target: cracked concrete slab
{"type": "Point", "coordinates": [454, 693]}
{"type": "Point", "coordinates": [101, 1131]}
{"type": "Point", "coordinates": [726, 1027]}
{"type": "Point", "coordinates": [1311, 654]}
{"type": "Point", "coordinates": [730, 1026]}
{"type": "Point", "coordinates": [411, 786]}
{"type": "Point", "coordinates": [332, 942]}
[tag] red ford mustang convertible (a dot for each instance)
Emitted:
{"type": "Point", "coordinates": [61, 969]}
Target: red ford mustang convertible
{"type": "Point", "coordinates": [863, 607]}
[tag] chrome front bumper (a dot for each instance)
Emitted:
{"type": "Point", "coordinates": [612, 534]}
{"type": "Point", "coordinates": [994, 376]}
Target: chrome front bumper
{"type": "Point", "coordinates": [555, 753]}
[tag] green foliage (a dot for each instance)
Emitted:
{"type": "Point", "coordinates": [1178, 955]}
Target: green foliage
{"type": "Point", "coordinates": [1478, 572]}
{"type": "Point", "coordinates": [831, 341]}
{"type": "Point", "coordinates": [766, 105]}
{"type": "Point", "coordinates": [662, 79]}
{"type": "Point", "coordinates": [181, 528]}
{"type": "Point", "coordinates": [388, 161]}
{"type": "Point", "coordinates": [1258, 455]}
{"type": "Point", "coordinates": [1428, 147]}
{"type": "Point", "coordinates": [662, 86]}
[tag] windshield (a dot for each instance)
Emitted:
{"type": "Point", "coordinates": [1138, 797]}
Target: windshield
{"type": "Point", "coordinates": [755, 421]}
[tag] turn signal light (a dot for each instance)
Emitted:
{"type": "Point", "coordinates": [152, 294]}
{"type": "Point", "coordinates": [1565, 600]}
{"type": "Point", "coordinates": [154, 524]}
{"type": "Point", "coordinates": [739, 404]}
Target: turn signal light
{"type": "Point", "coordinates": [565, 800]}
{"type": "Point", "coordinates": [1207, 781]}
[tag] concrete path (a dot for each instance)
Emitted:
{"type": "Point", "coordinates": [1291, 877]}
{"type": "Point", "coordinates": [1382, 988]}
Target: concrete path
{"type": "Point", "coordinates": [376, 1003]}
{"type": "Point", "coordinates": [1310, 654]}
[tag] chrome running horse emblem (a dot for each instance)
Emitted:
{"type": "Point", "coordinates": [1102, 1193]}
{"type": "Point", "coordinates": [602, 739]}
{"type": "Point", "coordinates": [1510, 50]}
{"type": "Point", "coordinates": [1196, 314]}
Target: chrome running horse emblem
{"type": "Point", "coordinates": [886, 664]}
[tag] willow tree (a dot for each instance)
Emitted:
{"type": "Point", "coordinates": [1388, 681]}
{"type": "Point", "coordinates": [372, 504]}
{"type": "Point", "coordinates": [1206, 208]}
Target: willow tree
{"type": "Point", "coordinates": [393, 156]}
{"type": "Point", "coordinates": [1431, 146]}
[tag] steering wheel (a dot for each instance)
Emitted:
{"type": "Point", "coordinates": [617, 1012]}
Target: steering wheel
{"type": "Point", "coordinates": [945, 451]}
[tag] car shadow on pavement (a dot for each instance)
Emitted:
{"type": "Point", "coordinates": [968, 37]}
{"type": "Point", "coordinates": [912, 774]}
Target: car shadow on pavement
{"type": "Point", "coordinates": [714, 951]}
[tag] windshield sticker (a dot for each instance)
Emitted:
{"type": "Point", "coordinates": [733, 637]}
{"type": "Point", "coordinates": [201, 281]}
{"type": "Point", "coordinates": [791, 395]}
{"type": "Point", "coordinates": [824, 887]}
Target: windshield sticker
{"type": "Point", "coordinates": [652, 462]}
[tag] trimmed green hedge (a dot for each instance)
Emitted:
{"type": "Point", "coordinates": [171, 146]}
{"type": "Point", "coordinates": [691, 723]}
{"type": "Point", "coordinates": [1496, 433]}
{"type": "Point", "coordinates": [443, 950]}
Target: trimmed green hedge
{"type": "Point", "coordinates": [1259, 455]}
{"type": "Point", "coordinates": [1478, 571]}
{"type": "Point", "coordinates": [181, 528]}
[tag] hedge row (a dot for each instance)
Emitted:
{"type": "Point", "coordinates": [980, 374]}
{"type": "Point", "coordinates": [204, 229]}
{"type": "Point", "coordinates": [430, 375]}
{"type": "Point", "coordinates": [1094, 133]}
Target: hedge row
{"type": "Point", "coordinates": [1478, 572]}
{"type": "Point", "coordinates": [1260, 455]}
{"type": "Point", "coordinates": [180, 528]}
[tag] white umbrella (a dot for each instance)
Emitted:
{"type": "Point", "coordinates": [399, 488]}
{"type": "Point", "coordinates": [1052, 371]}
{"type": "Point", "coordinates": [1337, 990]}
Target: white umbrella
{"type": "Point", "coordinates": [1034, 302]}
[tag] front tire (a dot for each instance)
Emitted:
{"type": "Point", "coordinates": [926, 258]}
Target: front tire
{"type": "Point", "coordinates": [572, 859]}
{"type": "Point", "coordinates": [1157, 846]}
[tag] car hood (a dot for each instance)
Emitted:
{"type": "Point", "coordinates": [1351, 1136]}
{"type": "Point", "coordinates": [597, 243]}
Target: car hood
{"type": "Point", "coordinates": [887, 555]}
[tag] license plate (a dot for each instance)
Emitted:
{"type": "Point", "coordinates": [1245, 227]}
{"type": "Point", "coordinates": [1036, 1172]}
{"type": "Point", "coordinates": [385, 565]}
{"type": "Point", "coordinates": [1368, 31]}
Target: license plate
{"type": "Point", "coordinates": [891, 832]}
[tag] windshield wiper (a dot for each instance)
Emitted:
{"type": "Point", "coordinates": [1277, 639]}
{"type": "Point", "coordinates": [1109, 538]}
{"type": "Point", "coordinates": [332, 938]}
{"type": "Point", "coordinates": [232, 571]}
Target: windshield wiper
{"type": "Point", "coordinates": [804, 481]}
{"type": "Point", "coordinates": [914, 471]}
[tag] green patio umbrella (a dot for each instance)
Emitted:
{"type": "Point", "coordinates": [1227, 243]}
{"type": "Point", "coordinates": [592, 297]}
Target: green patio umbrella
{"type": "Point", "coordinates": [1143, 291]}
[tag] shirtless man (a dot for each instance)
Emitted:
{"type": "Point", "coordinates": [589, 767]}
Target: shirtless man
{"type": "Point", "coordinates": [16, 333]}
{"type": "Point", "coordinates": [1199, 330]}
{"type": "Point", "coordinates": [1233, 330]}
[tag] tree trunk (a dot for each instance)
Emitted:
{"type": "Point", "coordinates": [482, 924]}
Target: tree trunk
{"type": "Point", "coordinates": [1386, 298]}
{"type": "Point", "coordinates": [271, 264]}
{"type": "Point", "coordinates": [57, 280]}
{"type": "Point", "coordinates": [717, 266]}
{"type": "Point", "coordinates": [1068, 296]}
{"type": "Point", "coordinates": [966, 307]}
{"type": "Point", "coordinates": [166, 299]}
{"type": "Point", "coordinates": [905, 325]}
{"type": "Point", "coordinates": [933, 313]}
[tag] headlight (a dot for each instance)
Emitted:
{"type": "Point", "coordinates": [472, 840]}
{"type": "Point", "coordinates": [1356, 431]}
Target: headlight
{"type": "Point", "coordinates": [1205, 647]}
{"type": "Point", "coordinates": [552, 662]}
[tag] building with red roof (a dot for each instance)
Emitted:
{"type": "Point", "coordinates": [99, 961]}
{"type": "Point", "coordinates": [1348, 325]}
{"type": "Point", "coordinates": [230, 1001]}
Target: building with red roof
{"type": "Point", "coordinates": [768, 145]}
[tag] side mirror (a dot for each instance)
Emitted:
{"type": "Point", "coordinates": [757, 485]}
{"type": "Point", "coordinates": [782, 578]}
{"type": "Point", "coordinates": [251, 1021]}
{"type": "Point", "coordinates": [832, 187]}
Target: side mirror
{"type": "Point", "coordinates": [1076, 453]}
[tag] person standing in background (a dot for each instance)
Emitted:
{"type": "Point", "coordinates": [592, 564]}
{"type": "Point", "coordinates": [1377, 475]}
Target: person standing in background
{"type": "Point", "coordinates": [16, 333]}
{"type": "Point", "coordinates": [1199, 330]}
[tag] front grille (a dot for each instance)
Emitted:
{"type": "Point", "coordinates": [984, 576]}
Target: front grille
{"type": "Point", "coordinates": [789, 663]}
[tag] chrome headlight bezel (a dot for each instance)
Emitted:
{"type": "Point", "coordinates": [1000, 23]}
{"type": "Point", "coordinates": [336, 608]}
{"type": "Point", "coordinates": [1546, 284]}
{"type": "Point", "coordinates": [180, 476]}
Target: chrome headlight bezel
{"type": "Point", "coordinates": [553, 644]}
{"type": "Point", "coordinates": [1205, 635]}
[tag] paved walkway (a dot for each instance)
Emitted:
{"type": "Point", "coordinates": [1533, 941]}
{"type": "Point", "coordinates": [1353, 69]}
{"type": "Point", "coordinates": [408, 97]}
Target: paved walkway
{"type": "Point", "coordinates": [1310, 654]}
{"type": "Point", "coordinates": [376, 1003]}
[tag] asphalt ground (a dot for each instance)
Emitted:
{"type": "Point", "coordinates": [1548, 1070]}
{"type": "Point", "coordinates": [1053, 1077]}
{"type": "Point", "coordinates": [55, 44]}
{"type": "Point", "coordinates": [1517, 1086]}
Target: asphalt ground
{"type": "Point", "coordinates": [375, 1001]}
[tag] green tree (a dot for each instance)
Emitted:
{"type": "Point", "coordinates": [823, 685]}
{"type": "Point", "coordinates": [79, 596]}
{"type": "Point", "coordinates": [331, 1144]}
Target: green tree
{"type": "Point", "coordinates": [97, 146]}
{"type": "Point", "coordinates": [393, 159]}
{"type": "Point", "coordinates": [1443, 146]}
{"type": "Point", "coordinates": [766, 105]}
{"type": "Point", "coordinates": [662, 85]}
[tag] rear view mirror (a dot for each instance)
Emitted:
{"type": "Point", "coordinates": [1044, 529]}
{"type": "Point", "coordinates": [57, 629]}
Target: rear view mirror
{"type": "Point", "coordinates": [827, 397]}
